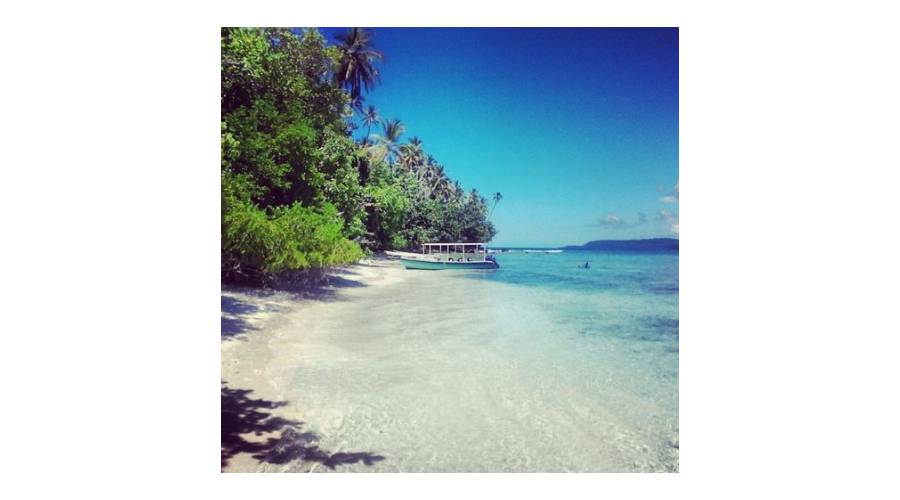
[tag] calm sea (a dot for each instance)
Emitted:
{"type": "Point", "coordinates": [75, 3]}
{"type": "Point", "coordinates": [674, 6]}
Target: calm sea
{"type": "Point", "coordinates": [538, 366]}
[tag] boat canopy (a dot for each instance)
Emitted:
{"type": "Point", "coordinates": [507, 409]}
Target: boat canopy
{"type": "Point", "coordinates": [455, 248]}
{"type": "Point", "coordinates": [457, 244]}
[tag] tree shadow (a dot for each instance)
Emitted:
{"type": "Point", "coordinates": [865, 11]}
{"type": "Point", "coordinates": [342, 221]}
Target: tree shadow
{"type": "Point", "coordinates": [315, 284]}
{"type": "Point", "coordinates": [234, 322]}
{"type": "Point", "coordinates": [243, 415]}
{"type": "Point", "coordinates": [322, 286]}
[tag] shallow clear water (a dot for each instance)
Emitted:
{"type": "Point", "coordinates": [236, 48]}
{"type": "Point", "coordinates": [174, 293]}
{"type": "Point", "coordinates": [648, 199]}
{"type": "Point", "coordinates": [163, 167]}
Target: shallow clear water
{"type": "Point", "coordinates": [538, 366]}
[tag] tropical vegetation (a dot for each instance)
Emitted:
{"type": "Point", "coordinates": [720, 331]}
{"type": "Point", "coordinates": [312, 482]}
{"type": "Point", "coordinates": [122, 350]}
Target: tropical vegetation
{"type": "Point", "coordinates": [299, 190]}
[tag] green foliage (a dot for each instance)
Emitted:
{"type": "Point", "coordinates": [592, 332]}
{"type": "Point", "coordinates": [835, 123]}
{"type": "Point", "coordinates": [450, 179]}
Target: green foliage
{"type": "Point", "coordinates": [294, 237]}
{"type": "Point", "coordinates": [339, 159]}
{"type": "Point", "coordinates": [390, 208]}
{"type": "Point", "coordinates": [271, 153]}
{"type": "Point", "coordinates": [315, 237]}
{"type": "Point", "coordinates": [356, 65]}
{"type": "Point", "coordinates": [245, 57]}
{"type": "Point", "coordinates": [297, 191]}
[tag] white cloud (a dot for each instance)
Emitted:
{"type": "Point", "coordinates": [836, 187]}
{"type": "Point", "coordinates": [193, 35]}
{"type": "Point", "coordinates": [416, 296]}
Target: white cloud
{"type": "Point", "coordinates": [610, 220]}
{"type": "Point", "coordinates": [669, 218]}
{"type": "Point", "coordinates": [671, 197]}
{"type": "Point", "coordinates": [614, 221]}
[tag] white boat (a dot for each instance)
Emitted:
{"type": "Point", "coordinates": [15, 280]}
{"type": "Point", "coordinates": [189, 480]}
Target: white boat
{"type": "Point", "coordinates": [439, 256]}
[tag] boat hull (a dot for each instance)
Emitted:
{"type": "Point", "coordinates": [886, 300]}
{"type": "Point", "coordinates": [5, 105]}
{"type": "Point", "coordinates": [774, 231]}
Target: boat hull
{"type": "Point", "coordinates": [430, 265]}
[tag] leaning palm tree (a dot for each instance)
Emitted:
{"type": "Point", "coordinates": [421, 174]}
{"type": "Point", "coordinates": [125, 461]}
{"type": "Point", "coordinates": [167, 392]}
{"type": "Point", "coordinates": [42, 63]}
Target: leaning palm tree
{"type": "Point", "coordinates": [439, 179]}
{"type": "Point", "coordinates": [496, 197]}
{"type": "Point", "coordinates": [458, 190]}
{"type": "Point", "coordinates": [370, 117]}
{"type": "Point", "coordinates": [412, 156]}
{"type": "Point", "coordinates": [356, 104]}
{"type": "Point", "coordinates": [405, 157]}
{"type": "Point", "coordinates": [443, 189]}
{"type": "Point", "coordinates": [429, 172]}
{"type": "Point", "coordinates": [433, 173]}
{"type": "Point", "coordinates": [356, 69]}
{"type": "Point", "coordinates": [390, 140]}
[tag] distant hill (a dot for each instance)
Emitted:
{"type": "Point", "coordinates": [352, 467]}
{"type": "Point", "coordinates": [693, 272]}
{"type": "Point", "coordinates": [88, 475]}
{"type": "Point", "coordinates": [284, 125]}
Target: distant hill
{"type": "Point", "coordinates": [649, 245]}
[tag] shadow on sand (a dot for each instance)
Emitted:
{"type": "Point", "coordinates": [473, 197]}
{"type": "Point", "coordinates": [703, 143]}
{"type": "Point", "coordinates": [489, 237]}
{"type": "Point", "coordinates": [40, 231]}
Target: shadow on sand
{"type": "Point", "coordinates": [234, 312]}
{"type": "Point", "coordinates": [315, 285]}
{"type": "Point", "coordinates": [243, 415]}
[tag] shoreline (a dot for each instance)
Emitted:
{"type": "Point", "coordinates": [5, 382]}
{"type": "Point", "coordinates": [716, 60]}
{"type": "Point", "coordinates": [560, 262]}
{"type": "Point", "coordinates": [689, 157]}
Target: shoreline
{"type": "Point", "coordinates": [262, 431]}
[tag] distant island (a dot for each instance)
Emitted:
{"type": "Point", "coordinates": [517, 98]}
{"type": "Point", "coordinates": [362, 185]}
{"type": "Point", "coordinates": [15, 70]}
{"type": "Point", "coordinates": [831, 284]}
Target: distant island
{"type": "Point", "coordinates": [648, 245]}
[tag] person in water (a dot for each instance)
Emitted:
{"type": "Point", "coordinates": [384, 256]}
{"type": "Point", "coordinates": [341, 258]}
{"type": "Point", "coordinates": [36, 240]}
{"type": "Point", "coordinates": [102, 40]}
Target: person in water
{"type": "Point", "coordinates": [587, 265]}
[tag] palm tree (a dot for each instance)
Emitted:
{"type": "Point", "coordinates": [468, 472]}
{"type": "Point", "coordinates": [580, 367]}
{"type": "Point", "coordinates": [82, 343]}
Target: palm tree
{"type": "Point", "coordinates": [356, 104]}
{"type": "Point", "coordinates": [458, 190]}
{"type": "Point", "coordinates": [441, 183]}
{"type": "Point", "coordinates": [496, 197]}
{"type": "Point", "coordinates": [393, 129]}
{"type": "Point", "coordinates": [412, 156]}
{"type": "Point", "coordinates": [356, 69]}
{"type": "Point", "coordinates": [370, 117]}
{"type": "Point", "coordinates": [350, 109]}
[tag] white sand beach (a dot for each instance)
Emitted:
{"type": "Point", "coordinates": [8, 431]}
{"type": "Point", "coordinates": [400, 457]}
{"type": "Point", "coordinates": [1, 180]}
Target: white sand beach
{"type": "Point", "coordinates": [387, 370]}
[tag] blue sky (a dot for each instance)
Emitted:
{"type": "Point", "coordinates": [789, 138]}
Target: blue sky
{"type": "Point", "coordinates": [577, 128]}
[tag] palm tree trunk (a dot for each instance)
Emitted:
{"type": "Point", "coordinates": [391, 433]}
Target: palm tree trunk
{"type": "Point", "coordinates": [435, 185]}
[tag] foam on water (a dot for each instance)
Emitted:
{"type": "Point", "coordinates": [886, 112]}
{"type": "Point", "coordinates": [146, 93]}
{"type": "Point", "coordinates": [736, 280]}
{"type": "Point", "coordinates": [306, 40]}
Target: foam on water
{"type": "Point", "coordinates": [539, 366]}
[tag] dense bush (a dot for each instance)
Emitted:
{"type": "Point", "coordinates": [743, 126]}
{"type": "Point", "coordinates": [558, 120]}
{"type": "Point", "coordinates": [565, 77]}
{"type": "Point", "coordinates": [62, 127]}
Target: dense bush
{"type": "Point", "coordinates": [255, 243]}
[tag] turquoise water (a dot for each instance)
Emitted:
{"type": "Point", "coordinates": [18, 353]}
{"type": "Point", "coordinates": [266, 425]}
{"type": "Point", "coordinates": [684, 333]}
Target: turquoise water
{"type": "Point", "coordinates": [540, 366]}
